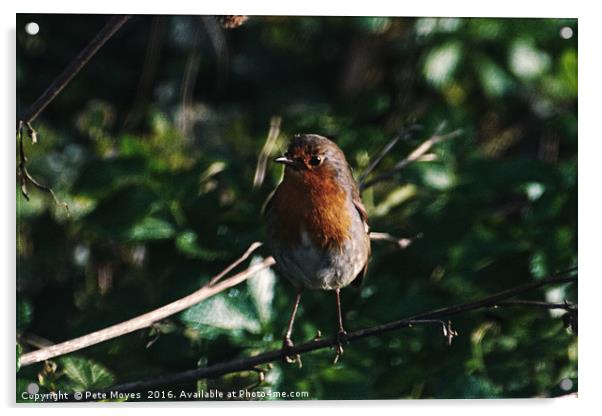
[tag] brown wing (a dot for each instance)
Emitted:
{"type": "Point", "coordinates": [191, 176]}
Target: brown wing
{"type": "Point", "coordinates": [357, 202]}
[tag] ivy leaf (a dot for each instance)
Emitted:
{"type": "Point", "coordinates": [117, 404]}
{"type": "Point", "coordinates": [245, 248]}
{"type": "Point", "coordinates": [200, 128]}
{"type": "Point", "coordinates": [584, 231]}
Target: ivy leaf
{"type": "Point", "coordinates": [224, 313]}
{"type": "Point", "coordinates": [151, 229]}
{"type": "Point", "coordinates": [186, 242]}
{"type": "Point", "coordinates": [115, 215]}
{"type": "Point", "coordinates": [85, 374]}
{"type": "Point", "coordinates": [261, 289]}
{"type": "Point", "coordinates": [24, 314]}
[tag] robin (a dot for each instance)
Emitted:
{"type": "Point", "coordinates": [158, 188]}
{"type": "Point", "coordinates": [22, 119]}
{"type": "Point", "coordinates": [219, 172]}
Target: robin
{"type": "Point", "coordinates": [317, 226]}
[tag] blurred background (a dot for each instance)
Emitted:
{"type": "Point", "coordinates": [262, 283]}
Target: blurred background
{"type": "Point", "coordinates": [155, 148]}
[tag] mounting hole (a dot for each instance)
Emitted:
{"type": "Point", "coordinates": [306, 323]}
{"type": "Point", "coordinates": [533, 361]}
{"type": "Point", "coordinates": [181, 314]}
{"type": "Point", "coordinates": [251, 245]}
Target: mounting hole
{"type": "Point", "coordinates": [566, 32]}
{"type": "Point", "coordinates": [566, 384]}
{"type": "Point", "coordinates": [32, 28]}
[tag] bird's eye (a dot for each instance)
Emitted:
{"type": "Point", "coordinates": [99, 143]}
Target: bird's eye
{"type": "Point", "coordinates": [315, 160]}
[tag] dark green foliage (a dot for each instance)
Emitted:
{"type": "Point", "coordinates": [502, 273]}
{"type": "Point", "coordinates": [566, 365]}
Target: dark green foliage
{"type": "Point", "coordinates": [161, 198]}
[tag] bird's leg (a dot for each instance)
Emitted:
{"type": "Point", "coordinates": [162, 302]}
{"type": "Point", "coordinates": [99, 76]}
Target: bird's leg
{"type": "Point", "coordinates": [287, 343]}
{"type": "Point", "coordinates": [341, 334]}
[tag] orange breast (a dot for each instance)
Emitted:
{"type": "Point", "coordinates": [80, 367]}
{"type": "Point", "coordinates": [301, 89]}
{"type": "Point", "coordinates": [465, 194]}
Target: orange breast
{"type": "Point", "coordinates": [314, 204]}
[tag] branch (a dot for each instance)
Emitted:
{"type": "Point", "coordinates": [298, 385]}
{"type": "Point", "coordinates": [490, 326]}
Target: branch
{"type": "Point", "coordinates": [148, 73]}
{"type": "Point", "coordinates": [434, 316]}
{"type": "Point", "coordinates": [266, 151]}
{"type": "Point", "coordinates": [143, 321]}
{"type": "Point", "coordinates": [51, 92]}
{"type": "Point", "coordinates": [404, 134]}
{"type": "Point", "coordinates": [545, 305]}
{"type": "Point", "coordinates": [148, 319]}
{"type": "Point", "coordinates": [191, 73]}
{"type": "Point", "coordinates": [418, 154]}
{"type": "Point", "coordinates": [400, 242]}
{"type": "Point", "coordinates": [24, 175]}
{"type": "Point", "coordinates": [73, 68]}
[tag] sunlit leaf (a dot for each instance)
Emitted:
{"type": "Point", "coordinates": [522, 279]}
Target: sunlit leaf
{"type": "Point", "coordinates": [151, 229]}
{"type": "Point", "coordinates": [187, 243]}
{"type": "Point", "coordinates": [222, 312]}
{"type": "Point", "coordinates": [441, 63]}
{"type": "Point", "coordinates": [261, 288]}
{"type": "Point", "coordinates": [85, 374]}
{"type": "Point", "coordinates": [526, 60]}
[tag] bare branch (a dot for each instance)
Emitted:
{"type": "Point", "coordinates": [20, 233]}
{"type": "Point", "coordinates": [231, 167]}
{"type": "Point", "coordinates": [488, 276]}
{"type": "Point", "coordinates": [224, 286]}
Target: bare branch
{"type": "Point", "coordinates": [242, 258]}
{"type": "Point", "coordinates": [50, 93]}
{"type": "Point", "coordinates": [191, 73]}
{"type": "Point", "coordinates": [404, 134]}
{"type": "Point", "coordinates": [24, 175]}
{"type": "Point", "coordinates": [545, 305]}
{"type": "Point", "coordinates": [74, 67]}
{"type": "Point", "coordinates": [217, 37]}
{"type": "Point", "coordinates": [400, 242]}
{"type": "Point", "coordinates": [266, 151]}
{"type": "Point", "coordinates": [434, 316]}
{"type": "Point", "coordinates": [416, 155]}
{"type": "Point", "coordinates": [147, 319]}
{"type": "Point", "coordinates": [154, 48]}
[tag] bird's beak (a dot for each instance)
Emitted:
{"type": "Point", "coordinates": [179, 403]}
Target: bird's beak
{"type": "Point", "coordinates": [286, 161]}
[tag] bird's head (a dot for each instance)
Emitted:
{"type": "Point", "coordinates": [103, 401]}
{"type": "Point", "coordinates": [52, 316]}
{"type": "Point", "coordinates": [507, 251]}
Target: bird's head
{"type": "Point", "coordinates": [311, 156]}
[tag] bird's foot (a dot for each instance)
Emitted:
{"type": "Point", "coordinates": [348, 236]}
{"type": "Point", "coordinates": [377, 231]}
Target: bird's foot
{"type": "Point", "coordinates": [287, 345]}
{"type": "Point", "coordinates": [341, 339]}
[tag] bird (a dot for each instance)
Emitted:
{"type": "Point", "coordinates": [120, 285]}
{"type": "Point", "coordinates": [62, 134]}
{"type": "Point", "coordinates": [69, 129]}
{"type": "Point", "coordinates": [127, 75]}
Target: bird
{"type": "Point", "coordinates": [317, 226]}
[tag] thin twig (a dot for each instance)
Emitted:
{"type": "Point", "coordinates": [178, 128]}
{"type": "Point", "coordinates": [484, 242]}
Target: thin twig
{"type": "Point", "coordinates": [545, 305]}
{"type": "Point", "coordinates": [191, 73]}
{"type": "Point", "coordinates": [266, 151]}
{"type": "Point", "coordinates": [414, 156]}
{"type": "Point", "coordinates": [50, 93]}
{"type": "Point", "coordinates": [404, 134]}
{"type": "Point", "coordinates": [147, 319]}
{"type": "Point", "coordinates": [434, 316]}
{"type": "Point", "coordinates": [148, 72]}
{"type": "Point", "coordinates": [217, 38]}
{"type": "Point", "coordinates": [400, 242]}
{"type": "Point", "coordinates": [34, 340]}
{"type": "Point", "coordinates": [60, 82]}
{"type": "Point", "coordinates": [24, 175]}
{"type": "Point", "coordinates": [228, 269]}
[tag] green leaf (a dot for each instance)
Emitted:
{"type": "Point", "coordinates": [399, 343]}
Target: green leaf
{"type": "Point", "coordinates": [568, 62]}
{"type": "Point", "coordinates": [226, 312]}
{"type": "Point", "coordinates": [261, 289]}
{"type": "Point", "coordinates": [441, 63]}
{"type": "Point", "coordinates": [527, 61]}
{"type": "Point", "coordinates": [99, 177]}
{"type": "Point", "coordinates": [24, 314]}
{"type": "Point", "coordinates": [437, 176]}
{"type": "Point", "coordinates": [120, 211]}
{"type": "Point", "coordinates": [23, 387]}
{"type": "Point", "coordinates": [494, 80]}
{"type": "Point", "coordinates": [85, 374]}
{"type": "Point", "coordinates": [186, 242]}
{"type": "Point", "coordinates": [151, 229]}
{"type": "Point", "coordinates": [19, 352]}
